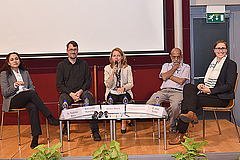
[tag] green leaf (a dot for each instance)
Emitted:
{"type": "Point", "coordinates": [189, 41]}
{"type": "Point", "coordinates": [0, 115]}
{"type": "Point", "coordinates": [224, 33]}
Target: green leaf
{"type": "Point", "coordinates": [42, 155]}
{"type": "Point", "coordinates": [97, 158]}
{"type": "Point", "coordinates": [53, 149]}
{"type": "Point", "coordinates": [176, 154]}
{"type": "Point", "coordinates": [123, 156]}
{"type": "Point", "coordinates": [99, 150]}
{"type": "Point", "coordinates": [40, 148]}
{"type": "Point", "coordinates": [115, 144]}
{"type": "Point", "coordinates": [113, 153]}
{"type": "Point", "coordinates": [57, 155]}
{"type": "Point", "coordinates": [201, 155]}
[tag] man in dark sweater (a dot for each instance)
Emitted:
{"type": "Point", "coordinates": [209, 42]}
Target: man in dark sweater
{"type": "Point", "coordinates": [74, 81]}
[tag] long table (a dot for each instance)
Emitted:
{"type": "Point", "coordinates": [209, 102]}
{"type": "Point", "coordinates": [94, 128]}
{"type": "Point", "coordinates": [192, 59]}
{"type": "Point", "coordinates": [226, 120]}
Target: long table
{"type": "Point", "coordinates": [113, 118]}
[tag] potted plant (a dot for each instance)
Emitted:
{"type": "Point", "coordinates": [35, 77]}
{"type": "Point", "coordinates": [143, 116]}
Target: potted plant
{"type": "Point", "coordinates": [43, 155]}
{"type": "Point", "coordinates": [103, 153]}
{"type": "Point", "coordinates": [192, 151]}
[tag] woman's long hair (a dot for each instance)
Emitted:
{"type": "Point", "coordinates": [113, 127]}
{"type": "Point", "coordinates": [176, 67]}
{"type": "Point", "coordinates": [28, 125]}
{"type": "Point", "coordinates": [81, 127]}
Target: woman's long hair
{"type": "Point", "coordinates": [124, 60]}
{"type": "Point", "coordinates": [6, 67]}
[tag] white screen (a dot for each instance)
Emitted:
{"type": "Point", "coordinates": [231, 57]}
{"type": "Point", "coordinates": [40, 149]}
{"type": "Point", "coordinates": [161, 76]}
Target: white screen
{"type": "Point", "coordinates": [45, 26]}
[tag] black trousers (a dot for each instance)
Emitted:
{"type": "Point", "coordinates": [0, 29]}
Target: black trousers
{"type": "Point", "coordinates": [193, 101]}
{"type": "Point", "coordinates": [64, 96]}
{"type": "Point", "coordinates": [32, 102]}
{"type": "Point", "coordinates": [119, 98]}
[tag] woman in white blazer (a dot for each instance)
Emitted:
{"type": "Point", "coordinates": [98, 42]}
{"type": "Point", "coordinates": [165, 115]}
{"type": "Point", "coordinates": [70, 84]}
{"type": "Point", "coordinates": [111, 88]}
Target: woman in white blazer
{"type": "Point", "coordinates": [18, 92]}
{"type": "Point", "coordinates": [118, 80]}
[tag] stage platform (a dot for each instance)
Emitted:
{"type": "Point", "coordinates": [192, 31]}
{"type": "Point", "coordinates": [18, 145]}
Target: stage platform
{"type": "Point", "coordinates": [144, 144]}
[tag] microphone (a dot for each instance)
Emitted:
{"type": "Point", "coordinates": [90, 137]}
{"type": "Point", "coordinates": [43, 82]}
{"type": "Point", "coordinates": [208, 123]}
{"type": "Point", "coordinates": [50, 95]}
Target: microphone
{"type": "Point", "coordinates": [116, 66]}
{"type": "Point", "coordinates": [100, 114]}
{"type": "Point", "coordinates": [95, 115]}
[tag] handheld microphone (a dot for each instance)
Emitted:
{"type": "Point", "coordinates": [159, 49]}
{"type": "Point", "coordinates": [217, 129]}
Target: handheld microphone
{"type": "Point", "coordinates": [116, 64]}
{"type": "Point", "coordinates": [116, 67]}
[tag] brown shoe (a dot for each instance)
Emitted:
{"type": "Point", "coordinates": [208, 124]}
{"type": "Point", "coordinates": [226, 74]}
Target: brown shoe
{"type": "Point", "coordinates": [189, 117]}
{"type": "Point", "coordinates": [177, 140]}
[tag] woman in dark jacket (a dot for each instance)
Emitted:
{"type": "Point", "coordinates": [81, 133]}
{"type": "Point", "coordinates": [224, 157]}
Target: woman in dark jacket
{"type": "Point", "coordinates": [217, 90]}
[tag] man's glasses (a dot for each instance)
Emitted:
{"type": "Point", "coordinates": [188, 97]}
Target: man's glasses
{"type": "Point", "coordinates": [73, 50]}
{"type": "Point", "coordinates": [219, 49]}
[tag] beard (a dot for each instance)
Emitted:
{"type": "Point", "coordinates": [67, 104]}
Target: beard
{"type": "Point", "coordinates": [73, 56]}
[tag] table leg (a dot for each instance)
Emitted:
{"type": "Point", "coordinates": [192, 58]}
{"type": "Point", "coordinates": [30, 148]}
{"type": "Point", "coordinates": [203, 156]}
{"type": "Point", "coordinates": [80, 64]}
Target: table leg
{"type": "Point", "coordinates": [68, 132]}
{"type": "Point", "coordinates": [165, 134]}
{"type": "Point", "coordinates": [114, 130]}
{"type": "Point", "coordinates": [135, 125]}
{"type": "Point", "coordinates": [111, 131]}
{"type": "Point", "coordinates": [153, 125]}
{"type": "Point", "coordinates": [159, 129]}
{"type": "Point", "coordinates": [61, 136]}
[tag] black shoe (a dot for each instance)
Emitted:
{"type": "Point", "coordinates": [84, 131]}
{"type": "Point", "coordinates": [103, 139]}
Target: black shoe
{"type": "Point", "coordinates": [52, 120]}
{"type": "Point", "coordinates": [96, 136]}
{"type": "Point", "coordinates": [130, 124]}
{"type": "Point", "coordinates": [34, 142]}
{"type": "Point", "coordinates": [123, 131]}
{"type": "Point", "coordinates": [64, 131]}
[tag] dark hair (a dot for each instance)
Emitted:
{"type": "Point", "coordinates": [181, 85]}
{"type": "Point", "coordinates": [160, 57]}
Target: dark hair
{"type": "Point", "coordinates": [124, 60]}
{"type": "Point", "coordinates": [73, 43]}
{"type": "Point", "coordinates": [220, 41]}
{"type": "Point", "coordinates": [6, 66]}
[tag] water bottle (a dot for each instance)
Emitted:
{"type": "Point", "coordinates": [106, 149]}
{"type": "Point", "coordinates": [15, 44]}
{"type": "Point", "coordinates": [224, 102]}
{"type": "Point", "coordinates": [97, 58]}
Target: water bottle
{"type": "Point", "coordinates": [125, 100]}
{"type": "Point", "coordinates": [110, 100]}
{"type": "Point", "coordinates": [65, 105]}
{"type": "Point", "coordinates": [157, 101]}
{"type": "Point", "coordinates": [86, 102]}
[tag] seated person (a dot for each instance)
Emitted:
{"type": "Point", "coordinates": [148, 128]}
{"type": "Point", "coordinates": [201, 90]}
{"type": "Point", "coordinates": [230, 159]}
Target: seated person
{"type": "Point", "coordinates": [118, 80]}
{"type": "Point", "coordinates": [74, 81]}
{"type": "Point", "coordinates": [19, 92]}
{"type": "Point", "coordinates": [175, 75]}
{"type": "Point", "coordinates": [216, 91]}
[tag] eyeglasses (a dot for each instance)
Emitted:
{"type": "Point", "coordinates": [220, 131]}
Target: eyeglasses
{"type": "Point", "coordinates": [73, 50]}
{"type": "Point", "coordinates": [223, 49]}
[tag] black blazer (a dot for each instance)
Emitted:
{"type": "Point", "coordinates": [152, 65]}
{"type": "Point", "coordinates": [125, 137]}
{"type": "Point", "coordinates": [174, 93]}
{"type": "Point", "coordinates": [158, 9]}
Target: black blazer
{"type": "Point", "coordinates": [224, 87]}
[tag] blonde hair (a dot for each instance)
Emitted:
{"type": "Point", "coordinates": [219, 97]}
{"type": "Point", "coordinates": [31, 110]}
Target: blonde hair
{"type": "Point", "coordinates": [124, 60]}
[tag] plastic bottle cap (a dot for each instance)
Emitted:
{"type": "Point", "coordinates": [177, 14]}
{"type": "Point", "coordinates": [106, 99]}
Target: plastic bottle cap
{"type": "Point", "coordinates": [86, 97]}
{"type": "Point", "coordinates": [157, 97]}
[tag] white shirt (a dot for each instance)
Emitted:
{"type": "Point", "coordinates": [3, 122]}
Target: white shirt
{"type": "Point", "coordinates": [19, 78]}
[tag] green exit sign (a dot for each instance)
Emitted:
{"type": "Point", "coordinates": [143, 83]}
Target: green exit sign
{"type": "Point", "coordinates": [215, 17]}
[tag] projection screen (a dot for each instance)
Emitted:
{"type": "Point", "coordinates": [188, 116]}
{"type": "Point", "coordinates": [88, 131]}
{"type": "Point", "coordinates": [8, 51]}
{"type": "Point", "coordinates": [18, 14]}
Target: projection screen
{"type": "Point", "coordinates": [43, 27]}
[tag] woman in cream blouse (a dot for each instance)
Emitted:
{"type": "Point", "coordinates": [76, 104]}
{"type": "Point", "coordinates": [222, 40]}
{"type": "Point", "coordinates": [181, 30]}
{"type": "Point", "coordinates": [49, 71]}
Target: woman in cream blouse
{"type": "Point", "coordinates": [118, 80]}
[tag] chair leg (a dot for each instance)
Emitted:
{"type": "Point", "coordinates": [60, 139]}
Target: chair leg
{"type": "Point", "coordinates": [217, 122]}
{"type": "Point", "coordinates": [68, 132]}
{"type": "Point", "coordinates": [235, 125]}
{"type": "Point", "coordinates": [203, 126]}
{"type": "Point", "coordinates": [47, 129]}
{"type": "Point", "coordinates": [2, 125]}
{"type": "Point", "coordinates": [19, 128]}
